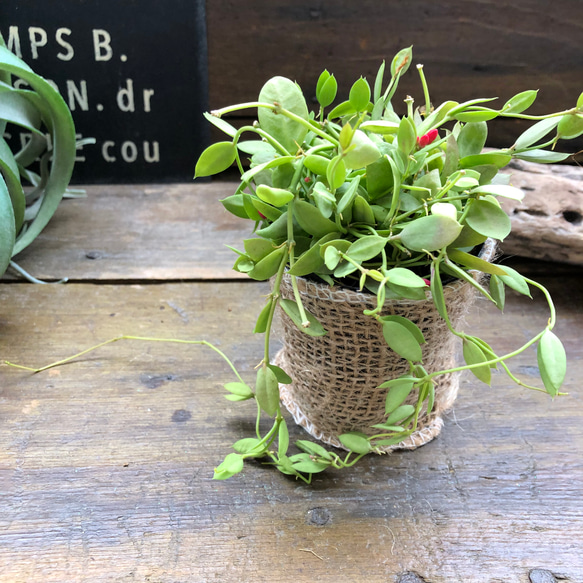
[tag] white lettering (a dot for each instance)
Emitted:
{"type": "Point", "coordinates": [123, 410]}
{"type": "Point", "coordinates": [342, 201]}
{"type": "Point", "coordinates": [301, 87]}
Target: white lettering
{"type": "Point", "coordinates": [78, 138]}
{"type": "Point", "coordinates": [67, 46]}
{"type": "Point", "coordinates": [129, 152]}
{"type": "Point", "coordinates": [105, 151]}
{"type": "Point", "coordinates": [38, 38]}
{"type": "Point", "coordinates": [149, 157]}
{"type": "Point", "coordinates": [125, 97]}
{"type": "Point", "coordinates": [14, 41]}
{"type": "Point", "coordinates": [73, 95]}
{"type": "Point", "coordinates": [102, 45]}
{"type": "Point", "coordinates": [147, 97]}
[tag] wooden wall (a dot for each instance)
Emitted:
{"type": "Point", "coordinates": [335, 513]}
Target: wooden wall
{"type": "Point", "coordinates": [469, 48]}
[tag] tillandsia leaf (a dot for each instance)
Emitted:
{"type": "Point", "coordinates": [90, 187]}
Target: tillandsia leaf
{"type": "Point", "coordinates": [520, 102]}
{"type": "Point", "coordinates": [536, 132]}
{"type": "Point", "coordinates": [17, 109]}
{"type": "Point", "coordinates": [231, 465]}
{"type": "Point", "coordinates": [290, 307]}
{"type": "Point", "coordinates": [488, 219]}
{"type": "Point", "coordinates": [472, 138]}
{"type": "Point", "coordinates": [359, 96]}
{"type": "Point", "coordinates": [9, 170]}
{"type": "Point", "coordinates": [497, 292]}
{"type": "Point", "coordinates": [355, 442]}
{"type": "Point", "coordinates": [552, 362]}
{"type": "Point", "coordinates": [215, 159]}
{"type": "Point", "coordinates": [399, 390]}
{"type": "Point", "coordinates": [7, 226]}
{"type": "Point", "coordinates": [430, 233]}
{"type": "Point", "coordinates": [220, 123]}
{"type": "Point", "coordinates": [287, 95]}
{"type": "Point", "coordinates": [473, 355]}
{"type": "Point", "coordinates": [267, 390]}
{"type": "Point", "coordinates": [275, 196]}
{"type": "Point", "coordinates": [401, 340]}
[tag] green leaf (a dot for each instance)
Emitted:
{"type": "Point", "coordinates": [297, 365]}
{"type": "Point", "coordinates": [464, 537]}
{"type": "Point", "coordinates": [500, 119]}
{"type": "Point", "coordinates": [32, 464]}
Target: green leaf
{"type": "Point", "coordinates": [366, 248]}
{"type": "Point", "coordinates": [11, 178]}
{"type": "Point", "coordinates": [404, 277]}
{"type": "Point", "coordinates": [348, 196]}
{"type": "Point", "coordinates": [488, 219]}
{"type": "Point", "coordinates": [332, 257]}
{"type": "Point", "coordinates": [542, 156]}
{"type": "Point", "coordinates": [359, 96]}
{"type": "Point", "coordinates": [381, 126]}
{"type": "Point", "coordinates": [400, 339]}
{"type": "Point", "coordinates": [287, 95]}
{"type": "Point", "coordinates": [302, 462]}
{"type": "Point", "coordinates": [231, 465]}
{"type": "Point", "coordinates": [216, 158]}
{"type": "Point", "coordinates": [362, 151]}
{"type": "Point", "coordinates": [269, 265]}
{"type": "Point", "coordinates": [220, 123]}
{"type": "Point", "coordinates": [472, 138]}
{"type": "Point", "coordinates": [274, 196]}
{"type": "Point", "coordinates": [344, 108]}
{"type": "Point", "coordinates": [7, 227]}
{"type": "Point", "coordinates": [313, 449]}
{"type": "Point", "coordinates": [311, 219]}
{"type": "Point", "coordinates": [515, 281]}
{"type": "Point", "coordinates": [239, 389]}
{"type": "Point", "coordinates": [247, 445]}
{"type": "Point", "coordinates": [362, 212]}
{"type": "Point", "coordinates": [316, 164]}
{"type": "Point", "coordinates": [473, 355]}
{"type": "Point", "coordinates": [17, 109]}
{"type": "Point", "coordinates": [504, 190]}
{"type": "Point", "coordinates": [475, 116]}
{"type": "Point", "coordinates": [473, 262]}
{"type": "Point", "coordinates": [355, 442]}
{"type": "Point", "coordinates": [336, 172]}
{"type": "Point", "coordinates": [283, 438]}
{"type": "Point", "coordinates": [498, 159]}
{"type": "Point", "coordinates": [267, 390]}
{"type": "Point", "coordinates": [407, 136]}
{"type": "Point", "coordinates": [257, 248]}
{"type": "Point", "coordinates": [324, 199]}
{"type": "Point", "coordinates": [263, 319]}
{"type": "Point", "coordinates": [497, 292]}
{"type": "Point", "coordinates": [430, 233]}
{"type": "Point", "coordinates": [437, 291]}
{"type": "Point", "coordinates": [520, 102]}
{"type": "Point", "coordinates": [401, 62]}
{"type": "Point", "coordinates": [399, 414]}
{"type": "Point", "coordinates": [246, 177]}
{"type": "Point", "coordinates": [536, 132]}
{"type": "Point", "coordinates": [276, 230]}
{"type": "Point", "coordinates": [291, 308]}
{"type": "Point", "coordinates": [311, 260]}
{"type": "Point", "coordinates": [411, 326]}
{"type": "Point", "coordinates": [326, 89]}
{"type": "Point", "coordinates": [399, 390]}
{"type": "Point", "coordinates": [282, 377]}
{"type": "Point", "coordinates": [552, 362]}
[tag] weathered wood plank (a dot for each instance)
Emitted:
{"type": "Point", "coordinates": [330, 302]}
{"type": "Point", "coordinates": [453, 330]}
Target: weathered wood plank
{"type": "Point", "coordinates": [105, 464]}
{"type": "Point", "coordinates": [475, 48]}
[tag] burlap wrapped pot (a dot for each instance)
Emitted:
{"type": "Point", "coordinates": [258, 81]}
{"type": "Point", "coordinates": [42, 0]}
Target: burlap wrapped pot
{"type": "Point", "coordinates": [336, 376]}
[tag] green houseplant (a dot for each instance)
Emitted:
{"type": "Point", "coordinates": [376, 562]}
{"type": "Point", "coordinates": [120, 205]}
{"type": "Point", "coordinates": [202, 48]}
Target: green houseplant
{"type": "Point", "coordinates": [44, 164]}
{"type": "Point", "coordinates": [359, 197]}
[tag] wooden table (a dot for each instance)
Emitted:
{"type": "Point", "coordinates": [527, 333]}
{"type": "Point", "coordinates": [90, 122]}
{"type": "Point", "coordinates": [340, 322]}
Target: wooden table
{"type": "Point", "coordinates": [106, 462]}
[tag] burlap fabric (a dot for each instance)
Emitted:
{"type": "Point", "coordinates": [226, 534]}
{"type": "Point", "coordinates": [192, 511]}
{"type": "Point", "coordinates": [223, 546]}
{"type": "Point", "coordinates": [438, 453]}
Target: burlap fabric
{"type": "Point", "coordinates": [336, 376]}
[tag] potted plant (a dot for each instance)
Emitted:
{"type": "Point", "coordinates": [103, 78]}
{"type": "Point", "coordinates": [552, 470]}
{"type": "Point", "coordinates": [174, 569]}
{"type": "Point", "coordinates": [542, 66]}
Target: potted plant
{"type": "Point", "coordinates": [397, 214]}
{"type": "Point", "coordinates": [45, 163]}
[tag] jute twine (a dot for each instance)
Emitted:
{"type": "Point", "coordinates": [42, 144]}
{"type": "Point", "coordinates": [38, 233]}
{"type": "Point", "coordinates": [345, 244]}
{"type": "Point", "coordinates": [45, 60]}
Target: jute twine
{"type": "Point", "coordinates": [336, 376]}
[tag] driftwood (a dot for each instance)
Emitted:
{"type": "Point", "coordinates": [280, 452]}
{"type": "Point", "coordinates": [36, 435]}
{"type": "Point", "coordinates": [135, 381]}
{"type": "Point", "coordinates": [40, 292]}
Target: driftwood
{"type": "Point", "coordinates": [548, 223]}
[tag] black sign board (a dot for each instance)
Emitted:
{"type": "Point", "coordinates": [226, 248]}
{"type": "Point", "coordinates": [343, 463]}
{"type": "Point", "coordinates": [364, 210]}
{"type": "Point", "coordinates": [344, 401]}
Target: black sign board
{"type": "Point", "coordinates": [133, 73]}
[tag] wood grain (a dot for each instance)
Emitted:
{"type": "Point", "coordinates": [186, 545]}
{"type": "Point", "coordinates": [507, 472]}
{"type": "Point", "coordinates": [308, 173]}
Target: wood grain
{"type": "Point", "coordinates": [106, 463]}
{"type": "Point", "coordinates": [470, 48]}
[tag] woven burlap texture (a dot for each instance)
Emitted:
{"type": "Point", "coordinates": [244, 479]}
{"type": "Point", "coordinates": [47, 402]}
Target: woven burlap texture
{"type": "Point", "coordinates": [336, 376]}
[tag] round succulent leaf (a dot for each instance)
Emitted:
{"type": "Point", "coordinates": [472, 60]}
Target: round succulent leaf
{"type": "Point", "coordinates": [287, 95]}
{"type": "Point", "coordinates": [332, 257]}
{"type": "Point", "coordinates": [316, 164]}
{"type": "Point", "coordinates": [488, 219]}
{"type": "Point", "coordinates": [404, 277]}
{"type": "Point", "coordinates": [552, 362]}
{"type": "Point", "coordinates": [445, 209]}
{"type": "Point", "coordinates": [362, 152]}
{"type": "Point", "coordinates": [275, 196]}
{"type": "Point", "coordinates": [366, 248]}
{"type": "Point", "coordinates": [402, 341]}
{"type": "Point", "coordinates": [430, 233]}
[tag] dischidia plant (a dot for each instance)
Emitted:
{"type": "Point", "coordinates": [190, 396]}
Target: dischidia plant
{"type": "Point", "coordinates": [360, 197]}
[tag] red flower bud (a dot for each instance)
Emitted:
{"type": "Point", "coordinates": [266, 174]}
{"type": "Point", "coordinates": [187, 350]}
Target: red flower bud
{"type": "Point", "coordinates": [307, 180]}
{"type": "Point", "coordinates": [425, 140]}
{"type": "Point", "coordinates": [427, 282]}
{"type": "Point", "coordinates": [261, 215]}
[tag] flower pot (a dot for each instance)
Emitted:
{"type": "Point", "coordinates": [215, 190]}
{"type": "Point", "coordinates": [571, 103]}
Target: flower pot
{"type": "Point", "coordinates": [336, 376]}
